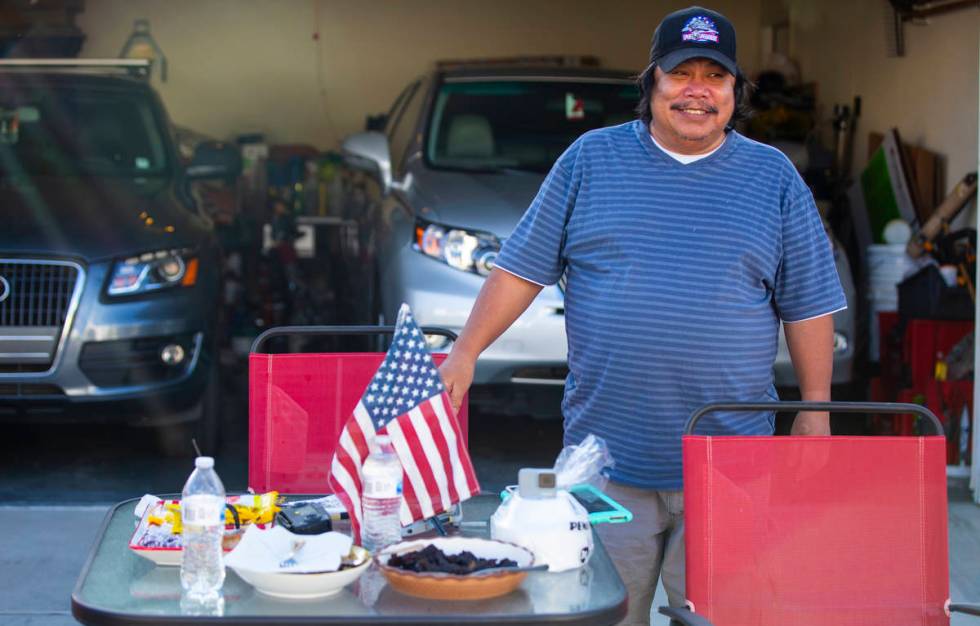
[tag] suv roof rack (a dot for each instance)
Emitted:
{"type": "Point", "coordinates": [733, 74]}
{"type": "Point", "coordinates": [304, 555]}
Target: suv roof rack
{"type": "Point", "coordinates": [546, 60]}
{"type": "Point", "coordinates": [133, 67]}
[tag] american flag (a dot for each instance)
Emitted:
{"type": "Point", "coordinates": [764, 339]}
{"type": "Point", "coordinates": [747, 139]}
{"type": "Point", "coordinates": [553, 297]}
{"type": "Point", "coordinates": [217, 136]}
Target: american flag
{"type": "Point", "coordinates": [407, 401]}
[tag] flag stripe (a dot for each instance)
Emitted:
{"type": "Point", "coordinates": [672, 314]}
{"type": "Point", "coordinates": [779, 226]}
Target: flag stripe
{"type": "Point", "coordinates": [348, 494]}
{"type": "Point", "coordinates": [440, 452]}
{"type": "Point", "coordinates": [421, 505]}
{"type": "Point", "coordinates": [363, 433]}
{"type": "Point", "coordinates": [409, 510]}
{"type": "Point", "coordinates": [427, 456]}
{"type": "Point", "coordinates": [351, 451]}
{"type": "Point", "coordinates": [464, 476]}
{"type": "Point", "coordinates": [348, 460]}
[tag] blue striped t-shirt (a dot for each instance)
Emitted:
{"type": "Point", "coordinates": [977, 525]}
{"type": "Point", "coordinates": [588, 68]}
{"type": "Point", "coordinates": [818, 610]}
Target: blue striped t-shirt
{"type": "Point", "coordinates": [677, 277]}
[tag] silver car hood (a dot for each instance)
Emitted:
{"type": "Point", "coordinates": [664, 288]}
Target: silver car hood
{"type": "Point", "coordinates": [492, 202]}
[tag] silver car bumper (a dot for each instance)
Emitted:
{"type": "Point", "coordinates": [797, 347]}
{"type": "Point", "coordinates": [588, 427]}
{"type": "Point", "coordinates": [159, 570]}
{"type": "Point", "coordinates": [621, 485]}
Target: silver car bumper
{"type": "Point", "coordinates": [532, 351]}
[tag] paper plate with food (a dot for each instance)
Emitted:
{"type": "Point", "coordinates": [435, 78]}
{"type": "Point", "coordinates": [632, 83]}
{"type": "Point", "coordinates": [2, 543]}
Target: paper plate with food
{"type": "Point", "coordinates": [158, 534]}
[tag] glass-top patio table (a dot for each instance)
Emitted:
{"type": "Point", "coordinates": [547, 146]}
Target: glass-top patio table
{"type": "Point", "coordinates": [117, 586]}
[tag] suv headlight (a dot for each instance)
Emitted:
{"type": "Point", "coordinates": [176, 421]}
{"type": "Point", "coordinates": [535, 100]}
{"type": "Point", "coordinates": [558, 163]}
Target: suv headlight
{"type": "Point", "coordinates": [465, 250]}
{"type": "Point", "coordinates": [152, 271]}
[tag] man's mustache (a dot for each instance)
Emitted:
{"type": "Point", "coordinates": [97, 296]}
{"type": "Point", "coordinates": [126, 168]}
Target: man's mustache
{"type": "Point", "coordinates": [692, 105]}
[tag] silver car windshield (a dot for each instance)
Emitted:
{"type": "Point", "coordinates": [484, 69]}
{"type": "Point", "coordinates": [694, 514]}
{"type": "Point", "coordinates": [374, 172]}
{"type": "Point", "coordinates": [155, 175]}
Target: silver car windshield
{"type": "Point", "coordinates": [492, 125]}
{"type": "Point", "coordinates": [67, 132]}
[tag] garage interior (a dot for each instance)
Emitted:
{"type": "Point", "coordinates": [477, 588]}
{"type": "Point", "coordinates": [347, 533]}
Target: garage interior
{"type": "Point", "coordinates": [875, 101]}
{"type": "Point", "coordinates": [835, 81]}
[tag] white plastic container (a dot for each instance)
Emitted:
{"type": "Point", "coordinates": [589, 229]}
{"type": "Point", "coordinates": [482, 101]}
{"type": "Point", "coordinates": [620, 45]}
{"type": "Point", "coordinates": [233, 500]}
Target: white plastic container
{"type": "Point", "coordinates": [382, 496]}
{"type": "Point", "coordinates": [555, 528]}
{"type": "Point", "coordinates": [202, 511]}
{"type": "Point", "coordinates": [888, 265]}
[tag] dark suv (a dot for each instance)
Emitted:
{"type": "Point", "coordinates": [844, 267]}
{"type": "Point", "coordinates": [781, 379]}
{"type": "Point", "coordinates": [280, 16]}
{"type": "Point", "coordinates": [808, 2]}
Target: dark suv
{"type": "Point", "coordinates": [109, 274]}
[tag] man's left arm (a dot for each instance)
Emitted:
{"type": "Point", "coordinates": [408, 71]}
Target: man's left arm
{"type": "Point", "coordinates": [811, 347]}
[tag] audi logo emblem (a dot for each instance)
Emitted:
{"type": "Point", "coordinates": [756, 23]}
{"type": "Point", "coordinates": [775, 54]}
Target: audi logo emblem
{"type": "Point", "coordinates": [4, 289]}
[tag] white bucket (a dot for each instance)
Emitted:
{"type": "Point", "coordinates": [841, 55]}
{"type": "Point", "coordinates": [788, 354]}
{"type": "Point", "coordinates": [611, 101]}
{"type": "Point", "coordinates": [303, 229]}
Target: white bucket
{"type": "Point", "coordinates": [888, 265]}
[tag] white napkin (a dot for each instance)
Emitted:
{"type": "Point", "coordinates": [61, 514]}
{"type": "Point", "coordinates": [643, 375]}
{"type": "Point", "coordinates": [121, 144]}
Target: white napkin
{"type": "Point", "coordinates": [262, 550]}
{"type": "Point", "coordinates": [147, 501]}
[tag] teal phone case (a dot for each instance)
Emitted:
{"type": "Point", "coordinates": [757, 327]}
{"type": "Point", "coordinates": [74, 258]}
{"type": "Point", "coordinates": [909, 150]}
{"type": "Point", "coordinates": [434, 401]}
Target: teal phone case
{"type": "Point", "coordinates": [601, 508]}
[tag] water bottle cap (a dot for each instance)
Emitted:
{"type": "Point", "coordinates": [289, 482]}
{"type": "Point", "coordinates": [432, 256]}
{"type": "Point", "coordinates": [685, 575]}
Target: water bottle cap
{"type": "Point", "coordinates": [204, 462]}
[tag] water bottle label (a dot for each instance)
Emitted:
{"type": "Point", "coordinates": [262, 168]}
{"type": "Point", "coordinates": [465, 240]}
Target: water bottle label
{"type": "Point", "coordinates": [202, 511]}
{"type": "Point", "coordinates": [382, 488]}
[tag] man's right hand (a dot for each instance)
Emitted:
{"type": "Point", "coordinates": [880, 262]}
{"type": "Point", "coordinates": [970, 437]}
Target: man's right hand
{"type": "Point", "coordinates": [457, 375]}
{"type": "Point", "coordinates": [501, 300]}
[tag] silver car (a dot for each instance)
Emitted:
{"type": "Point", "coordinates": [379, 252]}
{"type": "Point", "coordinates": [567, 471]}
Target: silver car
{"type": "Point", "coordinates": [461, 155]}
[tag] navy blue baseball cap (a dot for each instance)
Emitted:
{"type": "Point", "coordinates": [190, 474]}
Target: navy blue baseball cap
{"type": "Point", "coordinates": [694, 33]}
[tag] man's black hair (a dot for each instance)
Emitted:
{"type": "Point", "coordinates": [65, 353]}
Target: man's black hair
{"type": "Point", "coordinates": [743, 87]}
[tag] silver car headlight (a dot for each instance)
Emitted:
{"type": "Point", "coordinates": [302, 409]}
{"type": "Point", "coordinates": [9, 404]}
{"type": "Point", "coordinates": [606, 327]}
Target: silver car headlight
{"type": "Point", "coordinates": [152, 271]}
{"type": "Point", "coordinates": [465, 250]}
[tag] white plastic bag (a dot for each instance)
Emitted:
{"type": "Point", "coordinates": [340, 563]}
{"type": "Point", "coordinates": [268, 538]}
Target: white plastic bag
{"type": "Point", "coordinates": [587, 462]}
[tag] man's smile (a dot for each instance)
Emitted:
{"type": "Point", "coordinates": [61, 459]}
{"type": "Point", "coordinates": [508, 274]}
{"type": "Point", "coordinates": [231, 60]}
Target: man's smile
{"type": "Point", "coordinates": [696, 110]}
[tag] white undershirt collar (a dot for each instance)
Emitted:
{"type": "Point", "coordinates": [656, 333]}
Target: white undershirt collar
{"type": "Point", "coordinates": [685, 158]}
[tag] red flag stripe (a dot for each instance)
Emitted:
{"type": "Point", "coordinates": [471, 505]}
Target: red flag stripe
{"type": "Point", "coordinates": [350, 453]}
{"type": "Point", "coordinates": [409, 510]}
{"type": "Point", "coordinates": [360, 429]}
{"type": "Point", "coordinates": [426, 456]}
{"type": "Point", "coordinates": [364, 432]}
{"type": "Point", "coordinates": [343, 486]}
{"type": "Point", "coordinates": [421, 508]}
{"type": "Point", "coordinates": [464, 476]}
{"type": "Point", "coordinates": [440, 445]}
{"type": "Point", "coordinates": [347, 457]}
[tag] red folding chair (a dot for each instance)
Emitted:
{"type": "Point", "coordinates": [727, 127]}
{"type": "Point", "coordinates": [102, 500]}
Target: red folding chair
{"type": "Point", "coordinates": [298, 404]}
{"type": "Point", "coordinates": [816, 531]}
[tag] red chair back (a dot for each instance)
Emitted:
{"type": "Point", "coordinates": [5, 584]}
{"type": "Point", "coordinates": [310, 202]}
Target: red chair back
{"type": "Point", "coordinates": [810, 531]}
{"type": "Point", "coordinates": [298, 405]}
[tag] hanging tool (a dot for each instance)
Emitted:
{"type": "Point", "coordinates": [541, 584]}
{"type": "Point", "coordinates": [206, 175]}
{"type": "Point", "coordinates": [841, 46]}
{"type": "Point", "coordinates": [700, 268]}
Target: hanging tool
{"type": "Point", "coordinates": [947, 210]}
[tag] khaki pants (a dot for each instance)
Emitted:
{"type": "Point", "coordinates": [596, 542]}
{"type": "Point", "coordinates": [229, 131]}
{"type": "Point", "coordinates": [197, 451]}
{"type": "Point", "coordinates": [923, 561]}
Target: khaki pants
{"type": "Point", "coordinates": [650, 546]}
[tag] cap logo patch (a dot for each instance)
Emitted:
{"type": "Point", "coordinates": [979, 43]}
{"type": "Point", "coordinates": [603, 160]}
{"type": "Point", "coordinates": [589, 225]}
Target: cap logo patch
{"type": "Point", "coordinates": [699, 28]}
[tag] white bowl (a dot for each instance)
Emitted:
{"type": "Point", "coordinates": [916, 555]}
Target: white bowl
{"type": "Point", "coordinates": [287, 585]}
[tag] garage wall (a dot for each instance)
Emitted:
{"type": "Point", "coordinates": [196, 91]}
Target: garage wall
{"type": "Point", "coordinates": [252, 65]}
{"type": "Point", "coordinates": [930, 94]}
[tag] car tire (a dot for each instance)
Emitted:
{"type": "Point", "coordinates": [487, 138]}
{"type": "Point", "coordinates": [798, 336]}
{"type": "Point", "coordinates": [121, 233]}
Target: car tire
{"type": "Point", "coordinates": [177, 440]}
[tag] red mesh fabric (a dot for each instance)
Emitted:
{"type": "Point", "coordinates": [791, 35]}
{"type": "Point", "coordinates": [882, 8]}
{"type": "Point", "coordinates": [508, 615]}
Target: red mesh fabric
{"type": "Point", "coordinates": [849, 531]}
{"type": "Point", "coordinates": [297, 407]}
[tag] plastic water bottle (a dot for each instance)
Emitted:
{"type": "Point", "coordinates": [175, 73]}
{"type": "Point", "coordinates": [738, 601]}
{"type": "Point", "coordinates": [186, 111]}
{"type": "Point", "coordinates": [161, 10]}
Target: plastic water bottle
{"type": "Point", "coordinates": [202, 511]}
{"type": "Point", "coordinates": [382, 480]}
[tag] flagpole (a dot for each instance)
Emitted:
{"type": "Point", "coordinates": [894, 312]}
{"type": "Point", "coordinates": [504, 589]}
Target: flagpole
{"type": "Point", "coordinates": [439, 527]}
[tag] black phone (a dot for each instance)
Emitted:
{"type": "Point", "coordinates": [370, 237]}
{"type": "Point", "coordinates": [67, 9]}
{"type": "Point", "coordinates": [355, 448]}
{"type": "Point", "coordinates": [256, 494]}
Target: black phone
{"type": "Point", "coordinates": [304, 518]}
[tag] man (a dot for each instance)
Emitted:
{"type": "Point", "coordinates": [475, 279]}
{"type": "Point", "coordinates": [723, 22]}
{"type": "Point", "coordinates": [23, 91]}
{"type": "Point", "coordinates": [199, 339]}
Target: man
{"type": "Point", "coordinates": [684, 245]}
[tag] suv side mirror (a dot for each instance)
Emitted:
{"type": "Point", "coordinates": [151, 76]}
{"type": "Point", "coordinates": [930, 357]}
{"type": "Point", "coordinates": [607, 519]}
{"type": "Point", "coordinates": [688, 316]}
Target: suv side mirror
{"type": "Point", "coordinates": [369, 152]}
{"type": "Point", "coordinates": [215, 159]}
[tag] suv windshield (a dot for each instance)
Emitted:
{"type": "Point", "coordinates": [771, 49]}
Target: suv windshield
{"type": "Point", "coordinates": [71, 131]}
{"type": "Point", "coordinates": [488, 125]}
